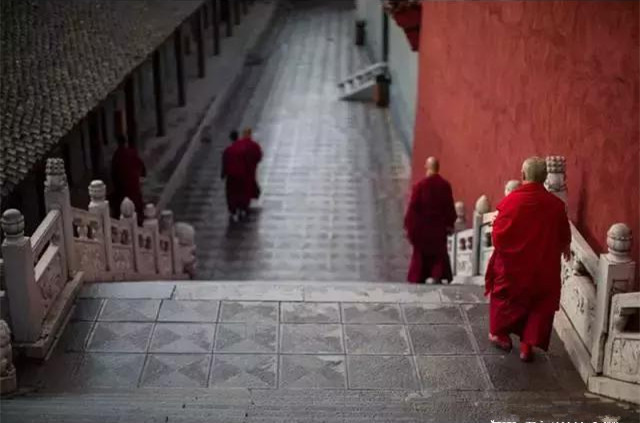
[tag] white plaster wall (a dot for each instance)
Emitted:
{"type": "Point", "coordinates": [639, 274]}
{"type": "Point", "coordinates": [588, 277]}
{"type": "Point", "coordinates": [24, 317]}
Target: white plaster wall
{"type": "Point", "coordinates": [371, 12]}
{"type": "Point", "coordinates": [403, 66]}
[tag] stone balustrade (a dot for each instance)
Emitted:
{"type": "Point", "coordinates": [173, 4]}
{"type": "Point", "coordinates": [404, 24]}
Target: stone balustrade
{"type": "Point", "coordinates": [42, 273]}
{"type": "Point", "coordinates": [596, 306]}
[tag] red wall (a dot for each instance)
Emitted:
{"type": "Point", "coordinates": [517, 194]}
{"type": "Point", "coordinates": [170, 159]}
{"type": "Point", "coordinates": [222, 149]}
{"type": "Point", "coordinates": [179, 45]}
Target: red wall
{"type": "Point", "coordinates": [500, 81]}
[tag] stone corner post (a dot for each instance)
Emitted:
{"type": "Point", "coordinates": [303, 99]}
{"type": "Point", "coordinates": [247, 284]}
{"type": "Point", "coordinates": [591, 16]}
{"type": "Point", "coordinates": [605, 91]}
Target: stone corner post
{"type": "Point", "coordinates": [130, 218]}
{"type": "Point", "coordinates": [482, 207]}
{"type": "Point", "coordinates": [26, 308]}
{"type": "Point", "coordinates": [100, 207]}
{"type": "Point", "coordinates": [56, 196]}
{"type": "Point", "coordinates": [151, 222]}
{"type": "Point", "coordinates": [616, 272]}
{"type": "Point", "coordinates": [7, 370]}
{"type": "Point", "coordinates": [511, 186]}
{"type": "Point", "coordinates": [167, 229]}
{"type": "Point", "coordinates": [556, 182]}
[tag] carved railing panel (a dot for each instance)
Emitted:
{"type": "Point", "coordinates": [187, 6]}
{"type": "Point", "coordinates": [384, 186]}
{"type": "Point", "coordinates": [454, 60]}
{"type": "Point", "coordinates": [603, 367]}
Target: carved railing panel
{"type": "Point", "coordinates": [464, 253]}
{"type": "Point", "coordinates": [51, 276]}
{"type": "Point", "coordinates": [88, 240]}
{"type": "Point", "coordinates": [486, 243]}
{"type": "Point", "coordinates": [622, 351]}
{"type": "Point", "coordinates": [165, 262]}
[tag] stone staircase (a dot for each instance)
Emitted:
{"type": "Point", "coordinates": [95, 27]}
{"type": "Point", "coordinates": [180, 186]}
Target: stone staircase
{"type": "Point", "coordinates": [293, 352]}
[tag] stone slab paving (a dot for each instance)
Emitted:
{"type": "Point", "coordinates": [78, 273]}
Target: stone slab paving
{"type": "Point", "coordinates": [404, 349]}
{"type": "Point", "coordinates": [334, 176]}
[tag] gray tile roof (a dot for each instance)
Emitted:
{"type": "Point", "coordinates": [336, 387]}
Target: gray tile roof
{"type": "Point", "coordinates": [60, 58]}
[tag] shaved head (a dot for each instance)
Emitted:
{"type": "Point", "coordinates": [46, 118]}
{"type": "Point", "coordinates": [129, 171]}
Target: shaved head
{"type": "Point", "coordinates": [534, 169]}
{"type": "Point", "coordinates": [432, 165]}
{"type": "Point", "coordinates": [247, 133]}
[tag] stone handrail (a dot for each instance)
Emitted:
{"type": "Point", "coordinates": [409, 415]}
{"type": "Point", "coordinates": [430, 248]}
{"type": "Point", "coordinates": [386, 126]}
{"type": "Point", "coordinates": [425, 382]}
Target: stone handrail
{"type": "Point", "coordinates": [42, 273]}
{"type": "Point", "coordinates": [595, 293]}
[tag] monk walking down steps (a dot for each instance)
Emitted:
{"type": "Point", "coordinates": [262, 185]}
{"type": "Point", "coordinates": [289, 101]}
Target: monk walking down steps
{"type": "Point", "coordinates": [429, 218]}
{"type": "Point", "coordinates": [253, 156]}
{"type": "Point", "coordinates": [530, 233]}
{"type": "Point", "coordinates": [127, 168]}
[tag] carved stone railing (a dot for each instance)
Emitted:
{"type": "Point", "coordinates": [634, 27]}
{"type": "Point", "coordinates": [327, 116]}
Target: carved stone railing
{"type": "Point", "coordinates": [43, 273]}
{"type": "Point", "coordinates": [597, 312]}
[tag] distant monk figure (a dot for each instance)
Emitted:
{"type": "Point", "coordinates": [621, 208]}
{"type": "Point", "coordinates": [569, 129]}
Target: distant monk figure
{"type": "Point", "coordinates": [235, 172]}
{"type": "Point", "coordinates": [530, 233]}
{"type": "Point", "coordinates": [126, 169]}
{"type": "Point", "coordinates": [430, 217]}
{"type": "Point", "coordinates": [253, 153]}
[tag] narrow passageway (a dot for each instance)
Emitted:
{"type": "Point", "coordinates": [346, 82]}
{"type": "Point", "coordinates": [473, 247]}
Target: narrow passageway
{"type": "Point", "coordinates": [333, 178]}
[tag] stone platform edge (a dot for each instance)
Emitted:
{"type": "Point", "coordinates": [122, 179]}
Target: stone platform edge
{"type": "Point", "coordinates": [371, 292]}
{"type": "Point", "coordinates": [179, 174]}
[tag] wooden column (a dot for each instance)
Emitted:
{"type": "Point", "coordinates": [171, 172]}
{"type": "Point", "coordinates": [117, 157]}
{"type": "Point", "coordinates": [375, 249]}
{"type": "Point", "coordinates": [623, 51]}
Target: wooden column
{"type": "Point", "coordinates": [236, 11]}
{"type": "Point", "coordinates": [177, 47]}
{"type": "Point", "coordinates": [245, 6]}
{"type": "Point", "coordinates": [158, 91]}
{"type": "Point", "coordinates": [225, 9]}
{"type": "Point", "coordinates": [197, 25]}
{"type": "Point", "coordinates": [130, 109]}
{"type": "Point", "coordinates": [215, 27]}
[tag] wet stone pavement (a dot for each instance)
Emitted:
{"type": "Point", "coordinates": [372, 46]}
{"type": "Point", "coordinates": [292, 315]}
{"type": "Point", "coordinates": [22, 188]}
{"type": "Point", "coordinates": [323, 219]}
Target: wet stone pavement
{"type": "Point", "coordinates": [422, 349]}
{"type": "Point", "coordinates": [334, 177]}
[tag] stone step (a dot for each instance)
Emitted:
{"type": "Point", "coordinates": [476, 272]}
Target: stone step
{"type": "Point", "coordinates": [309, 406]}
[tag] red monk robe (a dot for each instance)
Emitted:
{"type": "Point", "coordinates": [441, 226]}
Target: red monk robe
{"type": "Point", "coordinates": [235, 171]}
{"type": "Point", "coordinates": [530, 234]}
{"type": "Point", "coordinates": [126, 169]}
{"type": "Point", "coordinates": [430, 216]}
{"type": "Point", "coordinates": [253, 156]}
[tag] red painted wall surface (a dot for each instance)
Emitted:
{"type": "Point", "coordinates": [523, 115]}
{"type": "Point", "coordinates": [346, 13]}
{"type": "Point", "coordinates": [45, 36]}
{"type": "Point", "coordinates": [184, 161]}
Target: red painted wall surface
{"type": "Point", "coordinates": [500, 81]}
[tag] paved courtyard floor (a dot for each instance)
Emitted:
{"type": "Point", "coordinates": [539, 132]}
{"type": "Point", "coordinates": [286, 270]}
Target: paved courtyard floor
{"type": "Point", "coordinates": [268, 351]}
{"type": "Point", "coordinates": [333, 178]}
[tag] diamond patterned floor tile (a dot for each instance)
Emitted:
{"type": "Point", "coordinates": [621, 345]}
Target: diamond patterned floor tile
{"type": "Point", "coordinates": [243, 371]}
{"type": "Point", "coordinates": [121, 310]}
{"type": "Point", "coordinates": [431, 313]}
{"type": "Point", "coordinates": [248, 311]}
{"type": "Point", "coordinates": [311, 339]}
{"type": "Point", "coordinates": [176, 371]}
{"type": "Point", "coordinates": [110, 370]}
{"type": "Point", "coordinates": [376, 339]}
{"type": "Point", "coordinates": [440, 339]}
{"type": "Point", "coordinates": [120, 337]}
{"type": "Point", "coordinates": [310, 313]}
{"type": "Point", "coordinates": [87, 309]}
{"type": "Point", "coordinates": [246, 338]}
{"type": "Point", "coordinates": [371, 313]}
{"type": "Point", "coordinates": [381, 372]}
{"type": "Point", "coordinates": [75, 336]}
{"type": "Point", "coordinates": [308, 371]}
{"type": "Point", "coordinates": [182, 338]}
{"type": "Point", "coordinates": [450, 373]}
{"type": "Point", "coordinates": [188, 311]}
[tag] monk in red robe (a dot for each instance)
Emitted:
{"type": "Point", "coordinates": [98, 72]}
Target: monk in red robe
{"type": "Point", "coordinates": [429, 218]}
{"type": "Point", "coordinates": [126, 170]}
{"type": "Point", "coordinates": [236, 173]}
{"type": "Point", "coordinates": [530, 233]}
{"type": "Point", "coordinates": [253, 154]}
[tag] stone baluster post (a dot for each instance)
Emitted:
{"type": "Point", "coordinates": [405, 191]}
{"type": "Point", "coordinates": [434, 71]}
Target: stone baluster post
{"type": "Point", "coordinates": [130, 218]}
{"type": "Point", "coordinates": [26, 308]}
{"type": "Point", "coordinates": [511, 186]}
{"type": "Point", "coordinates": [482, 206]}
{"type": "Point", "coordinates": [100, 207]}
{"type": "Point", "coordinates": [7, 371]}
{"type": "Point", "coordinates": [460, 223]}
{"type": "Point", "coordinates": [56, 196]}
{"type": "Point", "coordinates": [167, 229]}
{"type": "Point", "coordinates": [615, 275]}
{"type": "Point", "coordinates": [151, 222]}
{"type": "Point", "coordinates": [556, 182]}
